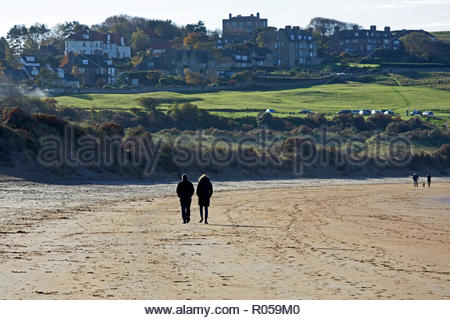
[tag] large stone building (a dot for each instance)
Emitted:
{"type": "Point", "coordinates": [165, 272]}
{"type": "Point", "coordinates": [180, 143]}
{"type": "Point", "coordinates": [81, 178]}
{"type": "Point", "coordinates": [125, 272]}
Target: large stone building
{"type": "Point", "coordinates": [242, 27]}
{"type": "Point", "coordinates": [292, 46]}
{"type": "Point", "coordinates": [90, 42]}
{"type": "Point", "coordinates": [363, 42]}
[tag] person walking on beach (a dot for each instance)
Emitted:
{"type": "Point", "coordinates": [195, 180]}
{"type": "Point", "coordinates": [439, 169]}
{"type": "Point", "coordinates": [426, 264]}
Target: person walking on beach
{"type": "Point", "coordinates": [429, 180]}
{"type": "Point", "coordinates": [185, 190]}
{"type": "Point", "coordinates": [416, 180]}
{"type": "Point", "coordinates": [204, 193]}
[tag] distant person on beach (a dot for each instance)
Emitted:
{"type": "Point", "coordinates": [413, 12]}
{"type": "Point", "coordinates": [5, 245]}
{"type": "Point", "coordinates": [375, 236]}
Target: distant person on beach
{"type": "Point", "coordinates": [204, 193]}
{"type": "Point", "coordinates": [429, 179]}
{"type": "Point", "coordinates": [416, 180]}
{"type": "Point", "coordinates": [185, 190]}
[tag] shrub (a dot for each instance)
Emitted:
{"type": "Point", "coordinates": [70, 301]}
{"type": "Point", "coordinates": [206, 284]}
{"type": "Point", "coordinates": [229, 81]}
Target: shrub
{"type": "Point", "coordinates": [17, 118]}
{"type": "Point", "coordinates": [112, 129]}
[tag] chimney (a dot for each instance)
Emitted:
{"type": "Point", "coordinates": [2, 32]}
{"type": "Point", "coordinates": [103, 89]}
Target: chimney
{"type": "Point", "coordinates": [387, 29]}
{"type": "Point", "coordinates": [310, 30]}
{"type": "Point", "coordinates": [288, 27]}
{"type": "Point", "coordinates": [257, 14]}
{"type": "Point", "coordinates": [230, 16]}
{"type": "Point", "coordinates": [355, 27]}
{"type": "Point", "coordinates": [122, 42]}
{"type": "Point", "coordinates": [373, 28]}
{"type": "Point", "coordinates": [297, 28]}
{"type": "Point", "coordinates": [251, 15]}
{"type": "Point", "coordinates": [336, 29]}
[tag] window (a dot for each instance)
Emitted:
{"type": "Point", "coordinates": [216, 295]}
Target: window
{"type": "Point", "coordinates": [356, 34]}
{"type": "Point", "coordinates": [85, 62]}
{"type": "Point", "coordinates": [85, 36]}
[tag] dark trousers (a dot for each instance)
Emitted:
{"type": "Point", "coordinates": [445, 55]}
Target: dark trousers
{"type": "Point", "coordinates": [429, 183]}
{"type": "Point", "coordinates": [206, 213]}
{"type": "Point", "coordinates": [416, 183]}
{"type": "Point", "coordinates": [185, 210]}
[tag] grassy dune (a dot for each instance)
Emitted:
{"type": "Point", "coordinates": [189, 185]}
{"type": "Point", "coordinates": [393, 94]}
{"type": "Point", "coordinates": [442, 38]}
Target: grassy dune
{"type": "Point", "coordinates": [325, 98]}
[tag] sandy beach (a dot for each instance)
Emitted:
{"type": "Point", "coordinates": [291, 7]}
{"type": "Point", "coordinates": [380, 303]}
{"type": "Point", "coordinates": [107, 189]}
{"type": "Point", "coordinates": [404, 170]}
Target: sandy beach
{"type": "Point", "coordinates": [329, 239]}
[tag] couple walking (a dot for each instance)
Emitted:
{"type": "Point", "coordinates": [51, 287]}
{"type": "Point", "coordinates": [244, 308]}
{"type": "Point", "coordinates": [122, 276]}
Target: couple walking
{"type": "Point", "coordinates": [185, 190]}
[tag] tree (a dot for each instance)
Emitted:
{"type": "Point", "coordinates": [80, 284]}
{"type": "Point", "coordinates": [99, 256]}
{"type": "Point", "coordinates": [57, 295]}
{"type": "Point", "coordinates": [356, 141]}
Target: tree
{"type": "Point", "coordinates": [196, 28]}
{"type": "Point", "coordinates": [46, 78]}
{"type": "Point", "coordinates": [153, 77]}
{"type": "Point", "coordinates": [264, 35]}
{"type": "Point", "coordinates": [198, 42]}
{"type": "Point", "coordinates": [62, 30]}
{"type": "Point", "coordinates": [325, 27]}
{"type": "Point", "coordinates": [16, 36]}
{"type": "Point", "coordinates": [139, 41]}
{"type": "Point", "coordinates": [423, 47]}
{"type": "Point", "coordinates": [148, 104]}
{"type": "Point", "coordinates": [3, 46]}
{"type": "Point", "coordinates": [137, 60]}
{"type": "Point", "coordinates": [195, 78]}
{"type": "Point", "coordinates": [243, 76]}
{"type": "Point", "coordinates": [34, 36]}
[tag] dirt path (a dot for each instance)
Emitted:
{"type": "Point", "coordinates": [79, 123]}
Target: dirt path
{"type": "Point", "coordinates": [385, 241]}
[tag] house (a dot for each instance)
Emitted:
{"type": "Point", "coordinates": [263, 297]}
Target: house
{"type": "Point", "coordinates": [242, 27]}
{"type": "Point", "coordinates": [150, 63]}
{"type": "Point", "coordinates": [30, 65]}
{"type": "Point", "coordinates": [248, 57]}
{"type": "Point", "coordinates": [292, 46]}
{"type": "Point", "coordinates": [69, 81]}
{"type": "Point", "coordinates": [363, 42]}
{"type": "Point", "coordinates": [90, 70]}
{"type": "Point", "coordinates": [86, 41]}
{"type": "Point", "coordinates": [199, 61]}
{"type": "Point", "coordinates": [158, 48]}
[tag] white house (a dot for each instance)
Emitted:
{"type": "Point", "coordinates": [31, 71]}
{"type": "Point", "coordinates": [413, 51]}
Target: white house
{"type": "Point", "coordinates": [92, 42]}
{"type": "Point", "coordinates": [30, 65]}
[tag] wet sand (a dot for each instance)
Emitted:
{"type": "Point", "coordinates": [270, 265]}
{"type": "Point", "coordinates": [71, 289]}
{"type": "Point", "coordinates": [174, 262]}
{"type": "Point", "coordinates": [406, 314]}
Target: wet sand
{"type": "Point", "coordinates": [349, 240]}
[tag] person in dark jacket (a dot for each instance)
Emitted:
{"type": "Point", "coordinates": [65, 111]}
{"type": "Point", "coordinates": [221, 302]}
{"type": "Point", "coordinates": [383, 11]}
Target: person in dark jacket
{"type": "Point", "coordinates": [185, 190]}
{"type": "Point", "coordinates": [416, 180]}
{"type": "Point", "coordinates": [204, 193]}
{"type": "Point", "coordinates": [429, 179]}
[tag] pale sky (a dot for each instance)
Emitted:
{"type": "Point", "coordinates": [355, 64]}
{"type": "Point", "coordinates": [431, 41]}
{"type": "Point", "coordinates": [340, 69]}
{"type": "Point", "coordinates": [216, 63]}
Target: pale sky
{"type": "Point", "coordinates": [431, 15]}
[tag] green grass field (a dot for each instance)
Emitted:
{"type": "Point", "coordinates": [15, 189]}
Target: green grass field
{"type": "Point", "coordinates": [325, 98]}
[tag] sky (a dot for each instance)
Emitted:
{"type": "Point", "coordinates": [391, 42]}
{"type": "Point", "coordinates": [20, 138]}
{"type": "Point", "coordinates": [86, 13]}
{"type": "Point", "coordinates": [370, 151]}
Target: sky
{"type": "Point", "coordinates": [431, 15]}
